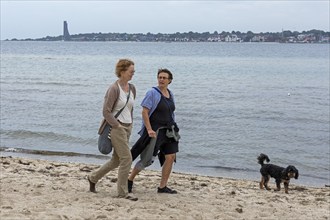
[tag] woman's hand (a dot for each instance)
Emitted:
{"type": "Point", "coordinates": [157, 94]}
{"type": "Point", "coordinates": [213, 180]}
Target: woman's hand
{"type": "Point", "coordinates": [152, 133]}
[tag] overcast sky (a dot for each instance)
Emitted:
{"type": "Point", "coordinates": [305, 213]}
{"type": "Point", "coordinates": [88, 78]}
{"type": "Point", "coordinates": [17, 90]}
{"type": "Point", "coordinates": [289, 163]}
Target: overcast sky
{"type": "Point", "coordinates": [36, 19]}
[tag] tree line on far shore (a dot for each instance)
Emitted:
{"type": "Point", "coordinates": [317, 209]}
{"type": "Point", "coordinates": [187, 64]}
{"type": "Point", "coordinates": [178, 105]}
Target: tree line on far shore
{"type": "Point", "coordinates": [311, 36]}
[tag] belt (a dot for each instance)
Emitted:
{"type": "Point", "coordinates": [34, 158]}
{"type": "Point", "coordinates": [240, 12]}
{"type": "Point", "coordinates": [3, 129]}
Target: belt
{"type": "Point", "coordinates": [125, 124]}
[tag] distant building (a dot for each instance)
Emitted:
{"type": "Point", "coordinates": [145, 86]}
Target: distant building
{"type": "Point", "coordinates": [258, 38]}
{"type": "Point", "coordinates": [232, 38]}
{"type": "Point", "coordinates": [66, 35]}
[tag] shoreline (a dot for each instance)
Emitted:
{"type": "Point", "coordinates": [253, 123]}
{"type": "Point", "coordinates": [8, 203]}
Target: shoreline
{"type": "Point", "coordinates": [41, 189]}
{"type": "Point", "coordinates": [204, 170]}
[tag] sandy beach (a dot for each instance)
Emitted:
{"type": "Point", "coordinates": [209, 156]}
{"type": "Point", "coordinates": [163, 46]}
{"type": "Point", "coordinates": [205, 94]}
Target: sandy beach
{"type": "Point", "coordinates": [39, 189]}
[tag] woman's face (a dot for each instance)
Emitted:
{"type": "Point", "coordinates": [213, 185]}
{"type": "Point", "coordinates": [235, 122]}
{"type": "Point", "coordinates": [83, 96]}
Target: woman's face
{"type": "Point", "coordinates": [128, 74]}
{"type": "Point", "coordinates": [163, 79]}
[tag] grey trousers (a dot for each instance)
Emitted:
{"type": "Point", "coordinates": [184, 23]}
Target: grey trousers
{"type": "Point", "coordinates": [121, 158]}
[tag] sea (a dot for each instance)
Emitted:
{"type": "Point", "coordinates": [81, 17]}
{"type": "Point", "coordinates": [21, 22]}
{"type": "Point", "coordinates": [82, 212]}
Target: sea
{"type": "Point", "coordinates": [233, 102]}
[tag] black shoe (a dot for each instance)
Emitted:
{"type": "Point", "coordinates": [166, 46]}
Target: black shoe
{"type": "Point", "coordinates": [166, 190]}
{"type": "Point", "coordinates": [91, 185]}
{"type": "Point", "coordinates": [129, 185]}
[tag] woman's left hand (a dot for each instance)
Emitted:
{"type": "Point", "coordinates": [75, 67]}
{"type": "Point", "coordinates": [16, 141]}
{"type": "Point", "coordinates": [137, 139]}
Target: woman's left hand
{"type": "Point", "coordinates": [152, 133]}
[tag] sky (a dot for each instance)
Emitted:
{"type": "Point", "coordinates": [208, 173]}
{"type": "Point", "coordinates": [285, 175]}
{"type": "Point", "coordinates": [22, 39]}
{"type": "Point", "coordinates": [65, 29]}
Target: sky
{"type": "Point", "coordinates": [23, 19]}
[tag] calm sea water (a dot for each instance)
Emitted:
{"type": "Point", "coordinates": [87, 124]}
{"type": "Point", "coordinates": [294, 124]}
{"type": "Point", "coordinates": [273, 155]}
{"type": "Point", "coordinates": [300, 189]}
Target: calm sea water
{"type": "Point", "coordinates": [234, 101]}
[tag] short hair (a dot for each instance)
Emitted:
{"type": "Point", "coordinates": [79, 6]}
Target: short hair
{"type": "Point", "coordinates": [164, 70]}
{"type": "Point", "coordinates": [122, 65]}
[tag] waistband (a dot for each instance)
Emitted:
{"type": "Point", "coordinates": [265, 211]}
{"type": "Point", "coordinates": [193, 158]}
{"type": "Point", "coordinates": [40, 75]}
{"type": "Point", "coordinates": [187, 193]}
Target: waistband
{"type": "Point", "coordinates": [125, 124]}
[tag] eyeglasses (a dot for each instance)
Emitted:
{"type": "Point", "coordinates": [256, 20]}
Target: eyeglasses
{"type": "Point", "coordinates": [162, 77]}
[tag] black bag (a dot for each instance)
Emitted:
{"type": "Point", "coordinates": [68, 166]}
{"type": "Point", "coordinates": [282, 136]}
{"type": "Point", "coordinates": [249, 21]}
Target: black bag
{"type": "Point", "coordinates": [104, 142]}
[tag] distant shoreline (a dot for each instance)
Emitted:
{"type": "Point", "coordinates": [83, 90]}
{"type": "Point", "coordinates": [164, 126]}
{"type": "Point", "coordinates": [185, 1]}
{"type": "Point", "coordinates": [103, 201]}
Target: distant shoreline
{"type": "Point", "coordinates": [311, 36]}
{"type": "Point", "coordinates": [164, 42]}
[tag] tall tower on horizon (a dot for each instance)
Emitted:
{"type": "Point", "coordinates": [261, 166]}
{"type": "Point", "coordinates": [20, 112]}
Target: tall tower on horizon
{"type": "Point", "coordinates": [66, 35]}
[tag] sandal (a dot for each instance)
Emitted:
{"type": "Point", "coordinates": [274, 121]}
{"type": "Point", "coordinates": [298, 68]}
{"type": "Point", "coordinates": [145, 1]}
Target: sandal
{"type": "Point", "coordinates": [131, 198]}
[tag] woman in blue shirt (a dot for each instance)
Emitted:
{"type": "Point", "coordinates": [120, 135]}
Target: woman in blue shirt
{"type": "Point", "coordinates": [158, 120]}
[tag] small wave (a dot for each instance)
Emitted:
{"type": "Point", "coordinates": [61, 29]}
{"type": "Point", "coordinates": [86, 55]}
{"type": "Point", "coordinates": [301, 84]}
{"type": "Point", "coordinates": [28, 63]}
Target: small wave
{"type": "Point", "coordinates": [50, 136]}
{"type": "Point", "coordinates": [10, 149]}
{"type": "Point", "coordinates": [316, 177]}
{"type": "Point", "coordinates": [60, 84]}
{"type": "Point", "coordinates": [228, 168]}
{"type": "Point", "coordinates": [257, 171]}
{"type": "Point", "coordinates": [35, 81]}
{"type": "Point", "coordinates": [52, 153]}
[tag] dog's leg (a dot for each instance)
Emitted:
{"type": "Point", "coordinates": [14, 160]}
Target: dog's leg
{"type": "Point", "coordinates": [286, 186]}
{"type": "Point", "coordinates": [262, 182]}
{"type": "Point", "coordinates": [266, 182]}
{"type": "Point", "coordinates": [278, 185]}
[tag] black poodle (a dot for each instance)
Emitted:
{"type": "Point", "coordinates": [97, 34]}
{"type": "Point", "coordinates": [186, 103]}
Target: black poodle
{"type": "Point", "coordinates": [280, 174]}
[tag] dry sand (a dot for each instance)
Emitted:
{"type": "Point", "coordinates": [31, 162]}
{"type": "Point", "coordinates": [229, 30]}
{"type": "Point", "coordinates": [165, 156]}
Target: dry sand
{"type": "Point", "coordinates": [38, 189]}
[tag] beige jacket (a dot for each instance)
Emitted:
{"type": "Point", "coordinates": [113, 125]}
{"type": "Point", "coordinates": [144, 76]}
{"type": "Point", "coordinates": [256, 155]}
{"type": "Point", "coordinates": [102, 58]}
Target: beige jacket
{"type": "Point", "coordinates": [110, 101]}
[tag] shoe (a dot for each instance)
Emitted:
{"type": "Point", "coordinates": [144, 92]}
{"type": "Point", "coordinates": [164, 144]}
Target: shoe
{"type": "Point", "coordinates": [129, 186]}
{"type": "Point", "coordinates": [91, 185]}
{"type": "Point", "coordinates": [131, 198]}
{"type": "Point", "coordinates": [166, 190]}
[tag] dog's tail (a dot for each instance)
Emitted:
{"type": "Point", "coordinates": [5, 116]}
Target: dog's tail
{"type": "Point", "coordinates": [262, 158]}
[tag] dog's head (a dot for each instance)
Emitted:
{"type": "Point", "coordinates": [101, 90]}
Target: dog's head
{"type": "Point", "coordinates": [291, 172]}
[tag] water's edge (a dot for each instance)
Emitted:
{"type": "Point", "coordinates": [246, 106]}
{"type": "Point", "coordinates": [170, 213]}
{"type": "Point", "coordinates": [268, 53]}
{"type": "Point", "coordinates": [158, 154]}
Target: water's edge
{"type": "Point", "coordinates": [74, 157]}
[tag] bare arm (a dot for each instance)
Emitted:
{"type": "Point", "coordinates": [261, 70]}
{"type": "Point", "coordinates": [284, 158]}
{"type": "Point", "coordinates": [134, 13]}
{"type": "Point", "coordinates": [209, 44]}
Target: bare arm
{"type": "Point", "coordinates": [145, 116]}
